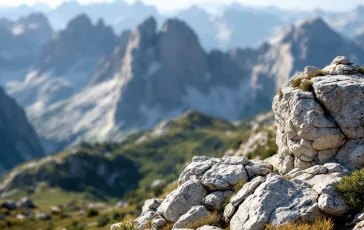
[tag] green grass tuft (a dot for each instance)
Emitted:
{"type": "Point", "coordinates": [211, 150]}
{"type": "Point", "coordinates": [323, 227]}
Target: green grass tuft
{"type": "Point", "coordinates": [351, 189]}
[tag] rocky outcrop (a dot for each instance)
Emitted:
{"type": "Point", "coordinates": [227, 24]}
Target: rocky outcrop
{"type": "Point", "coordinates": [325, 124]}
{"type": "Point", "coordinates": [18, 140]}
{"type": "Point", "coordinates": [320, 142]}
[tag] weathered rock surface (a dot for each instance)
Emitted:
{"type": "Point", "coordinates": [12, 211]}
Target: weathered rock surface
{"type": "Point", "coordinates": [325, 124]}
{"type": "Point", "coordinates": [195, 214]}
{"type": "Point", "coordinates": [215, 200]}
{"type": "Point", "coordinates": [149, 211]}
{"type": "Point", "coordinates": [182, 200]}
{"type": "Point", "coordinates": [276, 201]}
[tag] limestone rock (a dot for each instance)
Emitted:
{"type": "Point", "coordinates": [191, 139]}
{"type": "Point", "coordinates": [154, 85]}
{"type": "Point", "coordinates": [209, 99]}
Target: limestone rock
{"type": "Point", "coordinates": [257, 167]}
{"type": "Point", "coordinates": [158, 223]}
{"type": "Point", "coordinates": [196, 169]}
{"type": "Point", "coordinates": [26, 202]}
{"type": "Point", "coordinates": [359, 226]}
{"type": "Point", "coordinates": [333, 205]}
{"type": "Point", "coordinates": [181, 200]}
{"type": "Point", "coordinates": [208, 227]}
{"type": "Point", "coordinates": [195, 214]}
{"type": "Point", "coordinates": [215, 200]}
{"type": "Point", "coordinates": [276, 201]}
{"type": "Point", "coordinates": [223, 176]}
{"type": "Point", "coordinates": [143, 220]}
{"type": "Point", "coordinates": [42, 216]}
{"type": "Point", "coordinates": [246, 190]}
{"type": "Point", "coordinates": [325, 125]}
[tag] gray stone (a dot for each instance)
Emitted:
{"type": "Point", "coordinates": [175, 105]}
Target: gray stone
{"type": "Point", "coordinates": [195, 214]}
{"type": "Point", "coordinates": [196, 169]}
{"type": "Point", "coordinates": [341, 60]}
{"type": "Point", "coordinates": [178, 202]}
{"type": "Point", "coordinates": [42, 216]}
{"type": "Point", "coordinates": [311, 70]}
{"type": "Point", "coordinates": [224, 176]}
{"type": "Point", "coordinates": [276, 201]}
{"type": "Point", "coordinates": [208, 227]}
{"type": "Point", "coordinates": [215, 200]}
{"type": "Point", "coordinates": [333, 205]}
{"type": "Point", "coordinates": [246, 190]}
{"type": "Point", "coordinates": [258, 168]}
{"type": "Point", "coordinates": [158, 223]}
{"type": "Point", "coordinates": [143, 220]}
{"type": "Point", "coordinates": [26, 202]}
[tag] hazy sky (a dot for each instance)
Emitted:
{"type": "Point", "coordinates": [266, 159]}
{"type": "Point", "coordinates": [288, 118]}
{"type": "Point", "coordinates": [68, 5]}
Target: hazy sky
{"type": "Point", "coordinates": [166, 5]}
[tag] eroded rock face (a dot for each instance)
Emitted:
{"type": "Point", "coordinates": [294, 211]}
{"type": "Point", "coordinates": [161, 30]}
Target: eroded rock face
{"type": "Point", "coordinates": [149, 211]}
{"type": "Point", "coordinates": [195, 214]}
{"type": "Point", "coordinates": [182, 200]}
{"type": "Point", "coordinates": [325, 124]}
{"type": "Point", "coordinates": [276, 201]}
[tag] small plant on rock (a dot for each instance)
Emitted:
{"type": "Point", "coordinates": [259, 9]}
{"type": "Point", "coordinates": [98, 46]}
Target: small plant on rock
{"type": "Point", "coordinates": [351, 189]}
{"type": "Point", "coordinates": [361, 70]}
{"type": "Point", "coordinates": [306, 86]}
{"type": "Point", "coordinates": [318, 224]}
{"type": "Point", "coordinates": [296, 82]}
{"type": "Point", "coordinates": [213, 220]}
{"type": "Point", "coordinates": [280, 93]}
{"type": "Point", "coordinates": [127, 225]}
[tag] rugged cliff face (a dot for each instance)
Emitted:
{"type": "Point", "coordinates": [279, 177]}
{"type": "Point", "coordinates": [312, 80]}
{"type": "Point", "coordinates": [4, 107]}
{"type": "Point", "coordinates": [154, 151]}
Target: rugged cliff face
{"type": "Point", "coordinates": [18, 140]}
{"type": "Point", "coordinates": [320, 141]}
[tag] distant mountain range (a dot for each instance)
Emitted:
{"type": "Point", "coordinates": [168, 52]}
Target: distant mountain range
{"type": "Point", "coordinates": [18, 140]}
{"type": "Point", "coordinates": [235, 25]}
{"type": "Point", "coordinates": [89, 84]}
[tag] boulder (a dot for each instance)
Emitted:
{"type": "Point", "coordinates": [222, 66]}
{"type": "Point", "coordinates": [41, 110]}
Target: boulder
{"type": "Point", "coordinates": [258, 168]}
{"type": "Point", "coordinates": [181, 200]}
{"type": "Point", "coordinates": [149, 212]}
{"type": "Point", "coordinates": [143, 220]}
{"type": "Point", "coordinates": [196, 169]}
{"type": "Point", "coordinates": [224, 176]}
{"type": "Point", "coordinates": [195, 214]}
{"type": "Point", "coordinates": [159, 223]}
{"type": "Point", "coordinates": [9, 205]}
{"type": "Point", "coordinates": [42, 216]}
{"type": "Point", "coordinates": [276, 201]}
{"type": "Point", "coordinates": [323, 125]}
{"type": "Point", "coordinates": [26, 203]}
{"type": "Point", "coordinates": [215, 200]}
{"type": "Point", "coordinates": [359, 226]}
{"type": "Point", "coordinates": [208, 227]}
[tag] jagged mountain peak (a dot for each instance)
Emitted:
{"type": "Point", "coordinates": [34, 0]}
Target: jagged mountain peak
{"type": "Point", "coordinates": [314, 29]}
{"type": "Point", "coordinates": [80, 39]}
{"type": "Point", "coordinates": [79, 22]}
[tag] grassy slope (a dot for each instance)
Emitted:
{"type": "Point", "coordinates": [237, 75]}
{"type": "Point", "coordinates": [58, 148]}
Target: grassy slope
{"type": "Point", "coordinates": [159, 157]}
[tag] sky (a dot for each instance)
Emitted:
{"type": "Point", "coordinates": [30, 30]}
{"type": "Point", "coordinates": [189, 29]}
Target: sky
{"type": "Point", "coordinates": [170, 5]}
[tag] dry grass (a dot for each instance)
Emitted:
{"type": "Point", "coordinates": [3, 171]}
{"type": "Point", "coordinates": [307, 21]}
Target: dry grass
{"type": "Point", "coordinates": [306, 86]}
{"type": "Point", "coordinates": [304, 83]}
{"type": "Point", "coordinates": [295, 83]}
{"type": "Point", "coordinates": [287, 177]}
{"type": "Point", "coordinates": [318, 74]}
{"type": "Point", "coordinates": [127, 225]}
{"type": "Point", "coordinates": [238, 186]}
{"type": "Point", "coordinates": [318, 224]}
{"type": "Point", "coordinates": [212, 220]}
{"type": "Point", "coordinates": [169, 226]}
{"type": "Point", "coordinates": [280, 93]}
